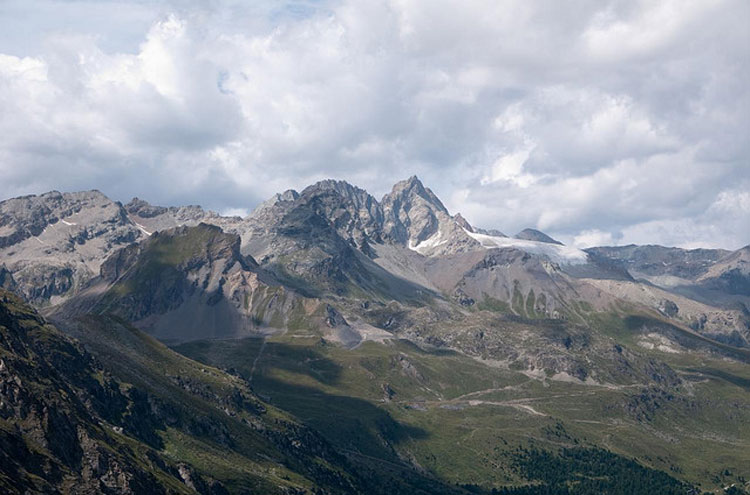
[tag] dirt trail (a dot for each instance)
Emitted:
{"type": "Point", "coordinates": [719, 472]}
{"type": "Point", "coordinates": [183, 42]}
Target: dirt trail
{"type": "Point", "coordinates": [255, 361]}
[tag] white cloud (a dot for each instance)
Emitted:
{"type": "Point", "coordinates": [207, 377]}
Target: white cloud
{"type": "Point", "coordinates": [614, 121]}
{"type": "Point", "coordinates": [590, 238]}
{"type": "Point", "coordinates": [509, 167]}
{"type": "Point", "coordinates": [646, 29]}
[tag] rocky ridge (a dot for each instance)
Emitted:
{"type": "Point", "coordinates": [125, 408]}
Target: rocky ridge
{"type": "Point", "coordinates": [189, 283]}
{"type": "Point", "coordinates": [335, 238]}
{"type": "Point", "coordinates": [332, 265]}
{"type": "Point", "coordinates": [53, 244]}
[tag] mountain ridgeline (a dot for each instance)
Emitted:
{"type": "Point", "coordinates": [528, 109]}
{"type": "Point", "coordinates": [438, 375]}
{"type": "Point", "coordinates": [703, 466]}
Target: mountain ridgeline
{"type": "Point", "coordinates": [330, 342]}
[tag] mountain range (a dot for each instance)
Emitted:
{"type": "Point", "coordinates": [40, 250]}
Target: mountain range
{"type": "Point", "coordinates": [330, 342]}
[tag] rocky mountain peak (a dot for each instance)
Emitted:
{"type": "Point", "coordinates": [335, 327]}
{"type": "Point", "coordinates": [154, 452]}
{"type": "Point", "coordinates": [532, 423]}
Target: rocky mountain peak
{"type": "Point", "coordinates": [340, 187]}
{"type": "Point", "coordinates": [203, 241]}
{"type": "Point", "coordinates": [536, 235]}
{"type": "Point", "coordinates": [6, 279]}
{"type": "Point", "coordinates": [354, 213]}
{"type": "Point", "coordinates": [188, 282]}
{"type": "Point", "coordinates": [149, 218]}
{"type": "Point", "coordinates": [285, 197]}
{"type": "Point", "coordinates": [415, 217]}
{"type": "Point", "coordinates": [185, 248]}
{"type": "Point", "coordinates": [412, 190]}
{"type": "Point", "coordinates": [144, 209]}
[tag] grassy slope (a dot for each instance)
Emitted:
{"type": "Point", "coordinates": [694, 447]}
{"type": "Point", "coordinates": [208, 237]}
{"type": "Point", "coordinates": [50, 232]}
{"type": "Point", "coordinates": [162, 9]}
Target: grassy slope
{"type": "Point", "coordinates": [62, 404]}
{"type": "Point", "coordinates": [221, 444]}
{"type": "Point", "coordinates": [460, 419]}
{"type": "Point", "coordinates": [284, 455]}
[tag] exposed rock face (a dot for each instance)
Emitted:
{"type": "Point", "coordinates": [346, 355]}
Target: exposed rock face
{"type": "Point", "coordinates": [286, 197]}
{"type": "Point", "coordinates": [54, 243]}
{"type": "Point", "coordinates": [513, 280]}
{"type": "Point", "coordinates": [668, 307]}
{"type": "Point", "coordinates": [354, 213]}
{"type": "Point", "coordinates": [144, 209]}
{"type": "Point", "coordinates": [463, 223]}
{"type": "Point", "coordinates": [335, 239]}
{"type": "Point", "coordinates": [6, 279]}
{"type": "Point", "coordinates": [411, 212]}
{"type": "Point", "coordinates": [730, 274]}
{"type": "Point", "coordinates": [193, 282]}
{"type": "Point", "coordinates": [303, 247]}
{"type": "Point", "coordinates": [535, 235]}
{"type": "Point", "coordinates": [150, 219]}
{"type": "Point", "coordinates": [416, 218]}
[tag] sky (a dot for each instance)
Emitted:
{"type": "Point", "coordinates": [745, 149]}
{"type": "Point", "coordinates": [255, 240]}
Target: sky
{"type": "Point", "coordinates": [600, 122]}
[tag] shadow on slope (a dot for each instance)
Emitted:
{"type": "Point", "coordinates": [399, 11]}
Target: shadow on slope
{"type": "Point", "coordinates": [217, 422]}
{"type": "Point", "coordinates": [739, 381]}
{"type": "Point", "coordinates": [293, 378]}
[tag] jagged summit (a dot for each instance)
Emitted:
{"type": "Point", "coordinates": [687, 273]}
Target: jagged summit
{"type": "Point", "coordinates": [415, 217]}
{"type": "Point", "coordinates": [340, 186]}
{"type": "Point", "coordinates": [412, 188]}
{"type": "Point", "coordinates": [288, 195]}
{"type": "Point", "coordinates": [53, 244]}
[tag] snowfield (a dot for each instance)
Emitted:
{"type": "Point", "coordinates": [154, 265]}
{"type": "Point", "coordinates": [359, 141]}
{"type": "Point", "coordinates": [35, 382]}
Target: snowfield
{"type": "Point", "coordinates": [562, 255]}
{"type": "Point", "coordinates": [432, 242]}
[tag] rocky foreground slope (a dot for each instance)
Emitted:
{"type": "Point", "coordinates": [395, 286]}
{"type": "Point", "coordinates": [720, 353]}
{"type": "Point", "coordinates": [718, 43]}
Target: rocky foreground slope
{"type": "Point", "coordinates": [146, 420]}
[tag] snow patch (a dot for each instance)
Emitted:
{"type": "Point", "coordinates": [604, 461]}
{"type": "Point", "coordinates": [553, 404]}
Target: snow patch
{"type": "Point", "coordinates": [142, 228]}
{"type": "Point", "coordinates": [68, 223]}
{"type": "Point", "coordinates": [431, 242]}
{"type": "Point", "coordinates": [655, 341]}
{"type": "Point", "coordinates": [562, 255]}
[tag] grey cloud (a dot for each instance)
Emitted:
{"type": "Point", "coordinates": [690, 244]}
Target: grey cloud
{"type": "Point", "coordinates": [612, 121]}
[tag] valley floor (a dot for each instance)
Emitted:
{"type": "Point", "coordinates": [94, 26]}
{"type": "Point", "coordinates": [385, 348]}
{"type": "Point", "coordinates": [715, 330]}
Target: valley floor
{"type": "Point", "coordinates": [464, 421]}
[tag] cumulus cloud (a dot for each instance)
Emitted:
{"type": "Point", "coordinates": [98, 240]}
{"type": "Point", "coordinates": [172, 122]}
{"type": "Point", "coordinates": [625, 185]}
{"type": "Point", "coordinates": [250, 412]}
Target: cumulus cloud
{"type": "Point", "coordinates": [610, 122]}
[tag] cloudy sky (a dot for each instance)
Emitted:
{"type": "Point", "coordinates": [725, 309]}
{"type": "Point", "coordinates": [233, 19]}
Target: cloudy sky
{"type": "Point", "coordinates": [599, 122]}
